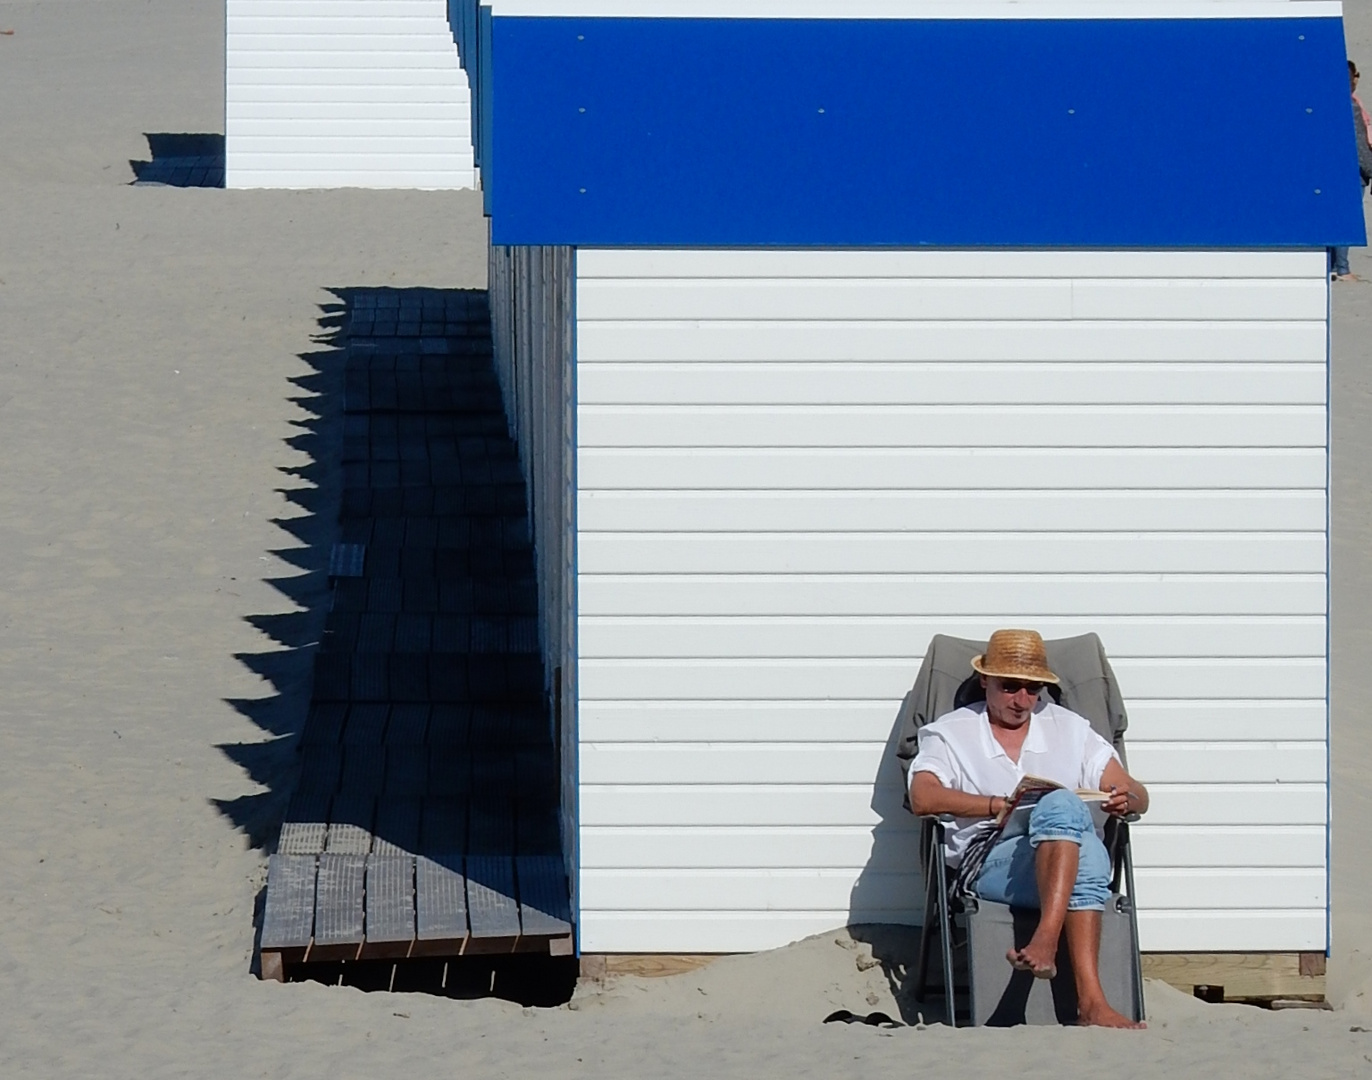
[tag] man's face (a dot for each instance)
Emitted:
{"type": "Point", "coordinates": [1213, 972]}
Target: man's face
{"type": "Point", "coordinates": [1010, 701]}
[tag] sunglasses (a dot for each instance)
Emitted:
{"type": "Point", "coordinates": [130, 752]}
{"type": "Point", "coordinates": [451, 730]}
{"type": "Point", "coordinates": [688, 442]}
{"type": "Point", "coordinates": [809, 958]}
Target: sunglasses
{"type": "Point", "coordinates": [1014, 686]}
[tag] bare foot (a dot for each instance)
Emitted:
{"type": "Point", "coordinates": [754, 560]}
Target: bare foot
{"type": "Point", "coordinates": [1103, 1016]}
{"type": "Point", "coordinates": [1346, 277]}
{"type": "Point", "coordinates": [1036, 958]}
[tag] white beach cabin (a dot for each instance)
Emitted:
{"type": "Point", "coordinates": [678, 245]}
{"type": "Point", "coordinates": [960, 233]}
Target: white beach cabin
{"type": "Point", "coordinates": [344, 93]}
{"type": "Point", "coordinates": [824, 328]}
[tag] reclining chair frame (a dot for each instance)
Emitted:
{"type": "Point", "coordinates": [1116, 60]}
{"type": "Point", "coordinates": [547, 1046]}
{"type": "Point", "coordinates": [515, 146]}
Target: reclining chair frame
{"type": "Point", "coordinates": [942, 904]}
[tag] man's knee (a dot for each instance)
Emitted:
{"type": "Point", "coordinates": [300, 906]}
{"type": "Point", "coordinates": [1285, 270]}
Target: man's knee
{"type": "Point", "coordinates": [1060, 815]}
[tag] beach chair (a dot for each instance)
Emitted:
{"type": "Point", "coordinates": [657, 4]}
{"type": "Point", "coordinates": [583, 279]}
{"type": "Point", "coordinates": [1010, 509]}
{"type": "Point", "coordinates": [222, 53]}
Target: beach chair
{"type": "Point", "coordinates": [974, 934]}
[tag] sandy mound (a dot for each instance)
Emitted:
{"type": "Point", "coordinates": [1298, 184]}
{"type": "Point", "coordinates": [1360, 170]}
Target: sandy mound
{"type": "Point", "coordinates": [803, 982]}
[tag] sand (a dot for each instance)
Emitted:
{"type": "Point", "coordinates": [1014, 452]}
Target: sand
{"type": "Point", "coordinates": [163, 510]}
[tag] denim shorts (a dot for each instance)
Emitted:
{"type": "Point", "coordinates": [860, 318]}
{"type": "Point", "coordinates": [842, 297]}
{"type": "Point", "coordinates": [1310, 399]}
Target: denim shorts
{"type": "Point", "coordinates": [1008, 875]}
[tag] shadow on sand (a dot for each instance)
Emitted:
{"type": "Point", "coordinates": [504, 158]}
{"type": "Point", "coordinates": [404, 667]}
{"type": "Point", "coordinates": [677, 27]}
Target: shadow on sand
{"type": "Point", "coordinates": [274, 764]}
{"type": "Point", "coordinates": [181, 160]}
{"type": "Point", "coordinates": [889, 884]}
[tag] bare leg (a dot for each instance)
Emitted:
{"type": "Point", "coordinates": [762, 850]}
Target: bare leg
{"type": "Point", "coordinates": [1083, 946]}
{"type": "Point", "coordinates": [1055, 867]}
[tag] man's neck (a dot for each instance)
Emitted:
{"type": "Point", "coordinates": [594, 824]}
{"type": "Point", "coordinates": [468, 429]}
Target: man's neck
{"type": "Point", "coordinates": [1011, 739]}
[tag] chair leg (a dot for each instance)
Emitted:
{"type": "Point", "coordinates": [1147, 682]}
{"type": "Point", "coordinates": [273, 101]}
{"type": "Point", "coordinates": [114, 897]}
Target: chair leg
{"type": "Point", "coordinates": [945, 926]}
{"type": "Point", "coordinates": [1128, 860]}
{"type": "Point", "coordinates": [926, 933]}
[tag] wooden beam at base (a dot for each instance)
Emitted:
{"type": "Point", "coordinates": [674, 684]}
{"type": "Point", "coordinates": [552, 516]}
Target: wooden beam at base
{"type": "Point", "coordinates": [1291, 976]}
{"type": "Point", "coordinates": [273, 967]}
{"type": "Point", "coordinates": [1241, 975]}
{"type": "Point", "coordinates": [560, 946]}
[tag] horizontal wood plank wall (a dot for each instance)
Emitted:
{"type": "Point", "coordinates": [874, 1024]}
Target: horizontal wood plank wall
{"type": "Point", "coordinates": [532, 332]}
{"type": "Point", "coordinates": [345, 93]}
{"type": "Point", "coordinates": [794, 467]}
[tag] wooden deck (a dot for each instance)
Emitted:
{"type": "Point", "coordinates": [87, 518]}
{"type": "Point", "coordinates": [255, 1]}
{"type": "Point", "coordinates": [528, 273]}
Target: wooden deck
{"type": "Point", "coordinates": [424, 821]}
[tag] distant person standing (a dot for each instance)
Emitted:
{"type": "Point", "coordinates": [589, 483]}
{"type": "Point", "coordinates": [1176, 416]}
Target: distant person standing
{"type": "Point", "coordinates": [1361, 123]}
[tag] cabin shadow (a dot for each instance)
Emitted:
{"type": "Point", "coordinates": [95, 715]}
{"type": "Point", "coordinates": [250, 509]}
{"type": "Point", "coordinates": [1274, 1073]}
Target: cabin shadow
{"type": "Point", "coordinates": [890, 884]}
{"type": "Point", "coordinates": [181, 160]}
{"type": "Point", "coordinates": [406, 710]}
{"type": "Point", "coordinates": [286, 664]}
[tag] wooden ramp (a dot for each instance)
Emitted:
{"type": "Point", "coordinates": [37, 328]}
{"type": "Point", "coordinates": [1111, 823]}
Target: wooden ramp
{"type": "Point", "coordinates": [424, 821]}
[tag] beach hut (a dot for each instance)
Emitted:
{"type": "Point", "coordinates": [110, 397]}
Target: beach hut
{"type": "Point", "coordinates": [344, 93]}
{"type": "Point", "coordinates": [827, 327]}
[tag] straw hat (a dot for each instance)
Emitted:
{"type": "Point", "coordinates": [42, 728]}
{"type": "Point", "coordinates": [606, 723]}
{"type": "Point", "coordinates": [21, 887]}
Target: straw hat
{"type": "Point", "coordinates": [1015, 654]}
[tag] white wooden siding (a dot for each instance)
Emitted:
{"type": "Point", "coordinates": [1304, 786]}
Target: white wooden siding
{"type": "Point", "coordinates": [988, 299]}
{"type": "Point", "coordinates": [835, 803]}
{"type": "Point", "coordinates": [345, 93]}
{"type": "Point", "coordinates": [954, 426]}
{"type": "Point", "coordinates": [803, 469]}
{"type": "Point", "coordinates": [1179, 720]}
{"type": "Point", "coordinates": [873, 596]}
{"type": "Point", "coordinates": [1276, 553]}
{"type": "Point", "coordinates": [738, 847]}
{"type": "Point", "coordinates": [818, 763]}
{"type": "Point", "coordinates": [794, 467]}
{"type": "Point", "coordinates": [531, 322]}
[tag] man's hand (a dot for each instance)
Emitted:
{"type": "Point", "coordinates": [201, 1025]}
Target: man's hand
{"type": "Point", "coordinates": [1120, 802]}
{"type": "Point", "coordinates": [1127, 795]}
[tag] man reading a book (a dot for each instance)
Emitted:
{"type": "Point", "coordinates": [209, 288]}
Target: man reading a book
{"type": "Point", "coordinates": [1023, 764]}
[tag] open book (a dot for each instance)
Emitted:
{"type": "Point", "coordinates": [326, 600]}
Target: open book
{"type": "Point", "coordinates": [1032, 788]}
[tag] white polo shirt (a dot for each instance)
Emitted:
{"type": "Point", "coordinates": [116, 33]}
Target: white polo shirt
{"type": "Point", "coordinates": [961, 751]}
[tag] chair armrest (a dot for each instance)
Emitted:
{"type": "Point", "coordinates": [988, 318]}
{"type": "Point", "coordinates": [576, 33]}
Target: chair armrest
{"type": "Point", "coordinates": [931, 834]}
{"type": "Point", "coordinates": [937, 824]}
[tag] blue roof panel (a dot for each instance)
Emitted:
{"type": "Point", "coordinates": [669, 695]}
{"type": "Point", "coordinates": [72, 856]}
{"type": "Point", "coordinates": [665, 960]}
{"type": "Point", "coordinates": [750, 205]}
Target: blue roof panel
{"type": "Point", "coordinates": [1107, 133]}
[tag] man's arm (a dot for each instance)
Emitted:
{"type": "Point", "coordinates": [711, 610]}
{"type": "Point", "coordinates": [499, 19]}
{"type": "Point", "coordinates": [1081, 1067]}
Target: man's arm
{"type": "Point", "coordinates": [1130, 796]}
{"type": "Point", "coordinates": [929, 796]}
